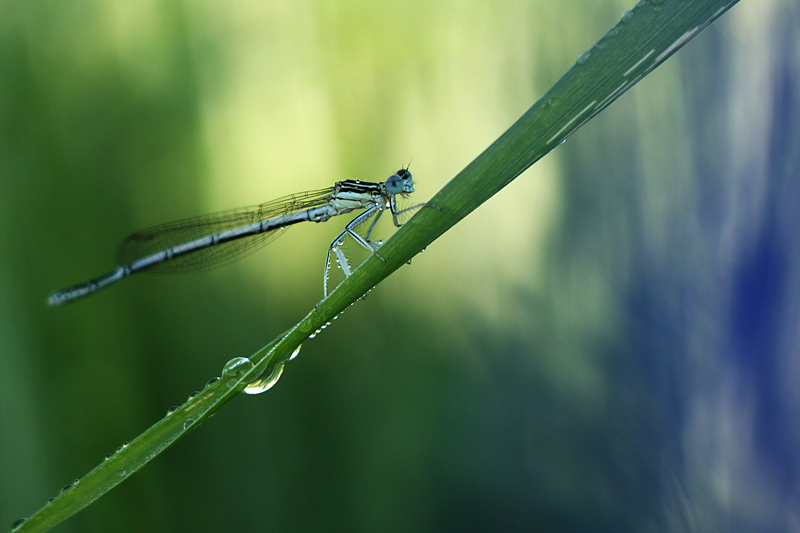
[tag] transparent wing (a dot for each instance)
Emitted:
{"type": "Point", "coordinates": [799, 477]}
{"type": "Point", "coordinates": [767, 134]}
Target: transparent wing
{"type": "Point", "coordinates": [152, 240]}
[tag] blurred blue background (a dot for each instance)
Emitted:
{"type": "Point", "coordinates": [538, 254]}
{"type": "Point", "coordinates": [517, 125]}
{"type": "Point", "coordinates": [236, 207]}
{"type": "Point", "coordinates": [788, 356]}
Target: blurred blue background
{"type": "Point", "coordinates": [609, 344]}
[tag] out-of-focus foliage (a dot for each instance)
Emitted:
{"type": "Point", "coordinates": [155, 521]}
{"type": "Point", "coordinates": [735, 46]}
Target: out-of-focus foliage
{"type": "Point", "coordinates": [609, 344]}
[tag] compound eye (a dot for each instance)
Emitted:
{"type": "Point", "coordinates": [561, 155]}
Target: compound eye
{"type": "Point", "coordinates": [394, 185]}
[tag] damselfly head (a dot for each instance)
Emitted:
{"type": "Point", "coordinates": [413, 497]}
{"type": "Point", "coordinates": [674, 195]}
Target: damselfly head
{"type": "Point", "coordinates": [400, 183]}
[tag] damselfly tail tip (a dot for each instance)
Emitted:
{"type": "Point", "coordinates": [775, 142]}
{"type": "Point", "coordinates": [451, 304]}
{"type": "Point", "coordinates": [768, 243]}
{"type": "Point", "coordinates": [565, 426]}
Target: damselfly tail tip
{"type": "Point", "coordinates": [54, 300]}
{"type": "Point", "coordinates": [59, 298]}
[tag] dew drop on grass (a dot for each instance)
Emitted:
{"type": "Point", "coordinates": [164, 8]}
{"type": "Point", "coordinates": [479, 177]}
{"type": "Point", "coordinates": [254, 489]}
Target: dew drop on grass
{"type": "Point", "coordinates": [266, 381]}
{"type": "Point", "coordinates": [626, 17]}
{"type": "Point", "coordinates": [237, 367]}
{"type": "Point", "coordinates": [234, 369]}
{"type": "Point", "coordinates": [295, 352]}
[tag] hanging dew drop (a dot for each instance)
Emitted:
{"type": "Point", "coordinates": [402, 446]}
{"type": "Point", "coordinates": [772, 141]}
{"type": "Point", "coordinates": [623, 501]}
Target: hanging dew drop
{"type": "Point", "coordinates": [295, 352]}
{"type": "Point", "coordinates": [266, 381]}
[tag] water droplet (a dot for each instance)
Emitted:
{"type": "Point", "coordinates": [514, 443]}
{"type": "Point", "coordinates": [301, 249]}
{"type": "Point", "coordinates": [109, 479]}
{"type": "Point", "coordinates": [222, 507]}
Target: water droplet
{"type": "Point", "coordinates": [172, 410]}
{"type": "Point", "coordinates": [295, 352]}
{"type": "Point", "coordinates": [312, 335]}
{"type": "Point", "coordinates": [51, 499]}
{"type": "Point", "coordinates": [119, 449]}
{"type": "Point", "coordinates": [266, 381]}
{"type": "Point", "coordinates": [192, 395]}
{"type": "Point", "coordinates": [211, 382]}
{"type": "Point", "coordinates": [17, 523]}
{"type": "Point", "coordinates": [125, 444]}
{"type": "Point", "coordinates": [613, 32]}
{"type": "Point", "coordinates": [583, 58]}
{"type": "Point", "coordinates": [626, 17]}
{"type": "Point", "coordinates": [66, 488]}
{"type": "Point", "coordinates": [236, 367]}
{"type": "Point", "coordinates": [75, 482]}
{"type": "Point", "coordinates": [109, 456]}
{"type": "Point", "coordinates": [188, 423]}
{"type": "Point", "coordinates": [641, 3]}
{"type": "Point", "coordinates": [122, 472]}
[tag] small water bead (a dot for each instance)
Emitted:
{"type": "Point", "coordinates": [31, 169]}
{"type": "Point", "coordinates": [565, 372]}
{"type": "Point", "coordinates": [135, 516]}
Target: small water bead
{"type": "Point", "coordinates": [583, 58]}
{"type": "Point", "coordinates": [122, 472]}
{"type": "Point", "coordinates": [192, 395]}
{"type": "Point", "coordinates": [17, 524]}
{"type": "Point", "coordinates": [172, 409]}
{"type": "Point", "coordinates": [626, 17]}
{"type": "Point", "coordinates": [295, 352]}
{"type": "Point", "coordinates": [641, 3]}
{"type": "Point", "coordinates": [211, 382]}
{"type": "Point", "coordinates": [188, 423]}
{"type": "Point", "coordinates": [269, 378]}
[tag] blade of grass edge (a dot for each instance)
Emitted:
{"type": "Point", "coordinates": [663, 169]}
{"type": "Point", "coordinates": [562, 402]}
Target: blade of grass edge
{"type": "Point", "coordinates": [643, 38]}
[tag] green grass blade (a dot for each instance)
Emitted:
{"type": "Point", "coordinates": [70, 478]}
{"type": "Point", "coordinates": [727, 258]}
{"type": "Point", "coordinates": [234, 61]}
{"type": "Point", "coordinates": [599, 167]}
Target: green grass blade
{"type": "Point", "coordinates": [645, 37]}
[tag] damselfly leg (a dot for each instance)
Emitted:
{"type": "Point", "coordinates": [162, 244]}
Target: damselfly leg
{"type": "Point", "coordinates": [335, 249]}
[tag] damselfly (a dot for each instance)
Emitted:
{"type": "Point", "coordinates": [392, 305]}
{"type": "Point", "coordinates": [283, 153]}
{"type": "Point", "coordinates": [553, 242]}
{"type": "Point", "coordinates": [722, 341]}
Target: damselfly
{"type": "Point", "coordinates": [205, 241]}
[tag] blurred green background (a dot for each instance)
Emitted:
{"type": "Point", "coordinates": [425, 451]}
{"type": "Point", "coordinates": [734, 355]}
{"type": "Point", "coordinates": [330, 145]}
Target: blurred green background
{"type": "Point", "coordinates": [609, 344]}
